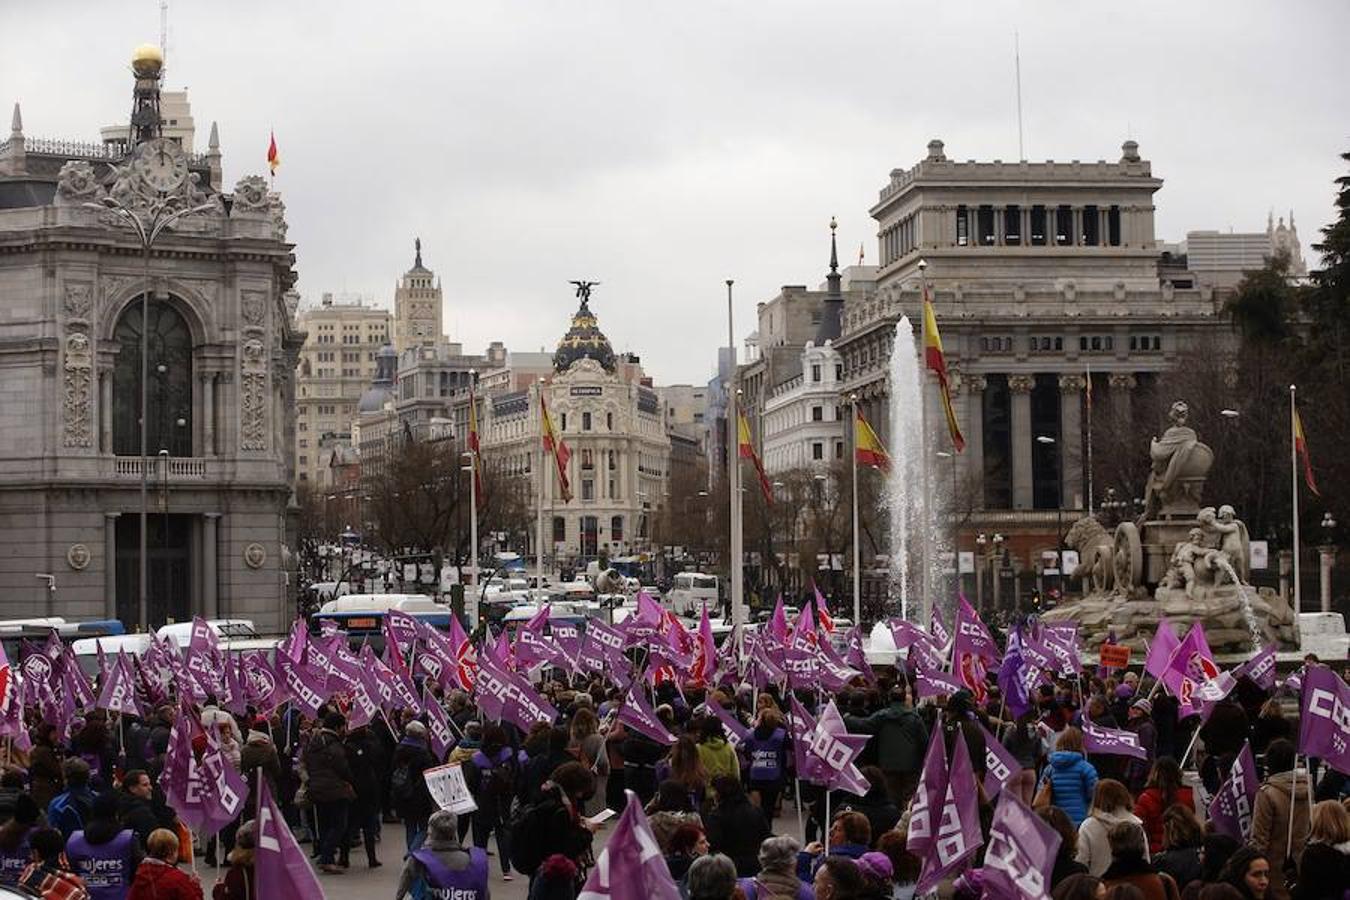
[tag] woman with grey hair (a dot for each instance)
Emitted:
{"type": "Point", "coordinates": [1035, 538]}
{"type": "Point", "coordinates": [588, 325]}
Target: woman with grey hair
{"type": "Point", "coordinates": [442, 864]}
{"type": "Point", "coordinates": [711, 877]}
{"type": "Point", "coordinates": [777, 878]}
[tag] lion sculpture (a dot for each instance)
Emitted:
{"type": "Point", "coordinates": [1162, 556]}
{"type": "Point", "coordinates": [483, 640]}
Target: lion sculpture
{"type": "Point", "coordinates": [1094, 547]}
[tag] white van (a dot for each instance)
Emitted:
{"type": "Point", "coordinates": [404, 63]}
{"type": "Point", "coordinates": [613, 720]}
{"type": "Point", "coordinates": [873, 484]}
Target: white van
{"type": "Point", "coordinates": [690, 592]}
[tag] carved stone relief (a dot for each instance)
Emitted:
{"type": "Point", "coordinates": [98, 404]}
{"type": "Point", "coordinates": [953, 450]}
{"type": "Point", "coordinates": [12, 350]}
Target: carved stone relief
{"type": "Point", "coordinates": [255, 555]}
{"type": "Point", "coordinates": [79, 301]}
{"type": "Point", "coordinates": [253, 309]}
{"type": "Point", "coordinates": [250, 195]}
{"type": "Point", "coordinates": [253, 396]}
{"type": "Point", "coordinates": [79, 366]}
{"type": "Point", "coordinates": [77, 557]}
{"type": "Point", "coordinates": [77, 183]}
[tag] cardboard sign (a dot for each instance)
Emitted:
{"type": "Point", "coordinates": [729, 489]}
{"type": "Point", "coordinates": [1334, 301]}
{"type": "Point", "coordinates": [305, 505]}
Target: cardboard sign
{"type": "Point", "coordinates": [1114, 656]}
{"type": "Point", "coordinates": [447, 787]}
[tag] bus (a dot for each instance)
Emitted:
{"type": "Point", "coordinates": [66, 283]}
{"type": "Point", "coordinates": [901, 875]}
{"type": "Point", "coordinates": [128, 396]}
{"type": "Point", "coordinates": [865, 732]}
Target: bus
{"type": "Point", "coordinates": [691, 591]}
{"type": "Point", "coordinates": [362, 615]}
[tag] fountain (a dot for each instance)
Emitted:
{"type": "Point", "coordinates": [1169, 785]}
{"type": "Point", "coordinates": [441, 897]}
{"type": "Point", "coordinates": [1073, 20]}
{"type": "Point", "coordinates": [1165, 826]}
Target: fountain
{"type": "Point", "coordinates": [1177, 560]}
{"type": "Point", "coordinates": [911, 492]}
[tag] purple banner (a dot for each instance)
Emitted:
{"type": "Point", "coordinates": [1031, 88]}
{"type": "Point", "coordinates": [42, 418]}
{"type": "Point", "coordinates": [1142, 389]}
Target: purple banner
{"type": "Point", "coordinates": [934, 683]}
{"type": "Point", "coordinates": [1000, 766]}
{"type": "Point", "coordinates": [1111, 741]}
{"type": "Point", "coordinates": [957, 836]}
{"type": "Point", "coordinates": [505, 695]}
{"type": "Point", "coordinates": [1324, 718]}
{"type": "Point", "coordinates": [1230, 812]}
{"type": "Point", "coordinates": [836, 750]}
{"type": "Point", "coordinates": [1021, 852]}
{"type": "Point", "coordinates": [636, 713]}
{"type": "Point", "coordinates": [1260, 669]}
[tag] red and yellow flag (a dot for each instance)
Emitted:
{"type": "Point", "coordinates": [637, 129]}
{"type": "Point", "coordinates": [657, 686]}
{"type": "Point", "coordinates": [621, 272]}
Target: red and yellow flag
{"type": "Point", "coordinates": [746, 449]}
{"type": "Point", "coordinates": [867, 447]}
{"type": "Point", "coordinates": [555, 446]}
{"type": "Point", "coordinates": [936, 361]}
{"type": "Point", "coordinates": [273, 158]}
{"type": "Point", "coordinates": [474, 445]}
{"type": "Point", "coordinates": [1301, 447]}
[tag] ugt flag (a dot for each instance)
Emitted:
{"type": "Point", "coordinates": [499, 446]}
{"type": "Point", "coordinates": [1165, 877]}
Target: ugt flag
{"type": "Point", "coordinates": [1324, 718]}
{"type": "Point", "coordinates": [1231, 809]}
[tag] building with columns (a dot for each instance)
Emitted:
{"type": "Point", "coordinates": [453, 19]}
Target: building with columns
{"type": "Point", "coordinates": [614, 424]}
{"type": "Point", "coordinates": [1043, 275]}
{"type": "Point", "coordinates": [223, 345]}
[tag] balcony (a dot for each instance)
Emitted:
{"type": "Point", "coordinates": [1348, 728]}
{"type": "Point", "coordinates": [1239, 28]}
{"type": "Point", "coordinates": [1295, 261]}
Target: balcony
{"type": "Point", "coordinates": [181, 468]}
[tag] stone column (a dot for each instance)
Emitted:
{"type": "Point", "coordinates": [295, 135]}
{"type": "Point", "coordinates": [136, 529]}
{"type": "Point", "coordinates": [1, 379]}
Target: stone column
{"type": "Point", "coordinates": [210, 579]}
{"type": "Point", "coordinates": [1119, 385]}
{"type": "Point", "coordinates": [110, 565]}
{"type": "Point", "coordinates": [1020, 387]}
{"type": "Point", "coordinates": [208, 408]}
{"type": "Point", "coordinates": [973, 390]}
{"type": "Point", "coordinates": [1071, 440]}
{"type": "Point", "coordinates": [105, 412]}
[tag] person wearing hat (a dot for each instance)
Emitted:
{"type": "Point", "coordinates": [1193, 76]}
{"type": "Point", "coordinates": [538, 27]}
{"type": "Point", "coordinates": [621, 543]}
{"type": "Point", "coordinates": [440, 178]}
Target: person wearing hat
{"type": "Point", "coordinates": [408, 786]}
{"type": "Point", "coordinates": [1140, 722]}
{"type": "Point", "coordinates": [441, 867]}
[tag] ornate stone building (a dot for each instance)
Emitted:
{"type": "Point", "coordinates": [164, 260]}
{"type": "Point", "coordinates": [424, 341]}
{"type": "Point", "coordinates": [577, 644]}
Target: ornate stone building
{"type": "Point", "coordinates": [614, 424]}
{"type": "Point", "coordinates": [1042, 274]}
{"type": "Point", "coordinates": [417, 307]}
{"type": "Point", "coordinates": [220, 398]}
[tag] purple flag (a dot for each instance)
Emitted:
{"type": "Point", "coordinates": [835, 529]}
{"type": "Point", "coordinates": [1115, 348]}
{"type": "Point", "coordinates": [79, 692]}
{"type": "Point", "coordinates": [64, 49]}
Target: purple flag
{"type": "Point", "coordinates": [1190, 665]}
{"type": "Point", "coordinates": [261, 685]}
{"type": "Point", "coordinates": [1111, 741]}
{"type": "Point", "coordinates": [631, 866]}
{"type": "Point", "coordinates": [837, 749]}
{"type": "Point", "coordinates": [905, 633]}
{"type": "Point", "coordinates": [603, 640]}
{"type": "Point", "coordinates": [364, 709]}
{"type": "Point", "coordinates": [927, 804]}
{"type": "Point", "coordinates": [1014, 675]}
{"type": "Point", "coordinates": [958, 834]}
{"type": "Point", "coordinates": [223, 789]}
{"type": "Point", "coordinates": [1231, 809]}
{"type": "Point", "coordinates": [1021, 852]}
{"type": "Point", "coordinates": [802, 668]}
{"type": "Point", "coordinates": [972, 637]}
{"type": "Point", "coordinates": [505, 695]}
{"type": "Point", "coordinates": [934, 683]}
{"type": "Point", "coordinates": [736, 732]}
{"type": "Point", "coordinates": [203, 656]}
{"type": "Point", "coordinates": [235, 699]}
{"type": "Point", "coordinates": [304, 687]}
{"type": "Point", "coordinates": [1061, 639]}
{"type": "Point", "coordinates": [1324, 718]}
{"type": "Point", "coordinates": [1160, 650]}
{"type": "Point", "coordinates": [280, 866]}
{"type": "Point", "coordinates": [438, 729]}
{"type": "Point", "coordinates": [379, 680]}
{"type": "Point", "coordinates": [856, 658]}
{"type": "Point", "coordinates": [1000, 766]}
{"type": "Point", "coordinates": [1260, 669]}
{"type": "Point", "coordinates": [119, 689]}
{"type": "Point", "coordinates": [803, 727]}
{"type": "Point", "coordinates": [923, 655]}
{"type": "Point", "coordinates": [942, 638]}
{"type": "Point", "coordinates": [181, 780]}
{"type": "Point", "coordinates": [636, 713]}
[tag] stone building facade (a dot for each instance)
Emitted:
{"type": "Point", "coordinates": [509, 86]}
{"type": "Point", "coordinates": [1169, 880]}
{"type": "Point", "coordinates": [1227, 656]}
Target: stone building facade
{"type": "Point", "coordinates": [220, 423]}
{"type": "Point", "coordinates": [1042, 275]}
{"type": "Point", "coordinates": [418, 315]}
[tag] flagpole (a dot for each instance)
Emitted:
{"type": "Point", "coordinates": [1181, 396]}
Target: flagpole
{"type": "Point", "coordinates": [857, 539]}
{"type": "Point", "coordinates": [737, 586]}
{"type": "Point", "coordinates": [927, 499]}
{"type": "Point", "coordinates": [1293, 481]}
{"type": "Point", "coordinates": [539, 494]}
{"type": "Point", "coordinates": [1091, 502]}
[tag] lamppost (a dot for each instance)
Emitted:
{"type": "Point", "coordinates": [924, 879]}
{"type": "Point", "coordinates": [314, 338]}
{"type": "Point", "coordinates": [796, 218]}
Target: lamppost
{"type": "Point", "coordinates": [1327, 556]}
{"type": "Point", "coordinates": [1112, 507]}
{"type": "Point", "coordinates": [996, 567]}
{"type": "Point", "coordinates": [1048, 441]}
{"type": "Point", "coordinates": [471, 468]}
{"type": "Point", "coordinates": [980, 543]}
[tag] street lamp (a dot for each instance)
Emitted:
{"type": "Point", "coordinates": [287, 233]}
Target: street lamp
{"type": "Point", "coordinates": [1113, 508]}
{"type": "Point", "coordinates": [148, 219]}
{"type": "Point", "coordinates": [1048, 441]}
{"type": "Point", "coordinates": [997, 567]}
{"type": "Point", "coordinates": [473, 517]}
{"type": "Point", "coordinates": [981, 542]}
{"type": "Point", "coordinates": [1327, 556]}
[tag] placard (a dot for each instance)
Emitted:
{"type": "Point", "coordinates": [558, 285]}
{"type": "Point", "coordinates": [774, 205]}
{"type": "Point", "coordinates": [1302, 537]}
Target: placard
{"type": "Point", "coordinates": [447, 787]}
{"type": "Point", "coordinates": [1260, 554]}
{"type": "Point", "coordinates": [1114, 656]}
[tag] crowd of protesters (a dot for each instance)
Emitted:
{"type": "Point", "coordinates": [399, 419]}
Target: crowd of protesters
{"type": "Point", "coordinates": [84, 813]}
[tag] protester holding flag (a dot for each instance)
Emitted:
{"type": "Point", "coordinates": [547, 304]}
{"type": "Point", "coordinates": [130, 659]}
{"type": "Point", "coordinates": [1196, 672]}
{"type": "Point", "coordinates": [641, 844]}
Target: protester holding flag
{"type": "Point", "coordinates": [240, 881]}
{"type": "Point", "coordinates": [330, 788]}
{"type": "Point", "coordinates": [766, 752]}
{"type": "Point", "coordinates": [158, 876]}
{"type": "Point", "coordinates": [554, 824]}
{"type": "Point", "coordinates": [1280, 821]}
{"type": "Point", "coordinates": [901, 739]}
{"type": "Point", "coordinates": [364, 760]}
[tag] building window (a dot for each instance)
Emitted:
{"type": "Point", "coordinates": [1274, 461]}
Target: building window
{"type": "Point", "coordinates": [613, 460]}
{"type": "Point", "coordinates": [304, 460]}
{"type": "Point", "coordinates": [986, 226]}
{"type": "Point", "coordinates": [1063, 226]}
{"type": "Point", "coordinates": [609, 421]}
{"type": "Point", "coordinates": [1038, 226]}
{"type": "Point", "coordinates": [613, 489]}
{"type": "Point", "coordinates": [1113, 226]}
{"type": "Point", "coordinates": [1012, 225]}
{"type": "Point", "coordinates": [169, 392]}
{"type": "Point", "coordinates": [838, 449]}
{"type": "Point", "coordinates": [587, 459]}
{"type": "Point", "coordinates": [815, 373]}
{"type": "Point", "coordinates": [1091, 227]}
{"type": "Point", "coordinates": [585, 421]}
{"type": "Point", "coordinates": [817, 414]}
{"type": "Point", "coordinates": [838, 371]}
{"type": "Point", "coordinates": [562, 424]}
{"type": "Point", "coordinates": [817, 450]}
{"type": "Point", "coordinates": [559, 530]}
{"type": "Point", "coordinates": [962, 227]}
{"type": "Point", "coordinates": [616, 528]}
{"type": "Point", "coordinates": [587, 489]}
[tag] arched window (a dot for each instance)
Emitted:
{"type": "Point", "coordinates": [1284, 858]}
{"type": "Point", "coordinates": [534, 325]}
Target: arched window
{"type": "Point", "coordinates": [169, 398]}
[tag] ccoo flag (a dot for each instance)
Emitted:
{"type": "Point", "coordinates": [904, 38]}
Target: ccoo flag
{"type": "Point", "coordinates": [937, 362]}
{"type": "Point", "coordinates": [631, 866]}
{"type": "Point", "coordinates": [280, 866]}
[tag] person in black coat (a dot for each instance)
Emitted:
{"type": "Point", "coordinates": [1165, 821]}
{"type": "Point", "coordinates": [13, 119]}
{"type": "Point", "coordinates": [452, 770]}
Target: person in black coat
{"type": "Point", "coordinates": [876, 804]}
{"type": "Point", "coordinates": [408, 790]}
{"type": "Point", "coordinates": [365, 758]}
{"type": "Point", "coordinates": [736, 827]}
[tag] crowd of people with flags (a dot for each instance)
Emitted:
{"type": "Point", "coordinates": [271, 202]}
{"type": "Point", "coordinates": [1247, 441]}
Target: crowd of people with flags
{"type": "Point", "coordinates": [779, 765]}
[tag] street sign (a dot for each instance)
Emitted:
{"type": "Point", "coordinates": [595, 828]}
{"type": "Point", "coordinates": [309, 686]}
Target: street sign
{"type": "Point", "coordinates": [966, 562]}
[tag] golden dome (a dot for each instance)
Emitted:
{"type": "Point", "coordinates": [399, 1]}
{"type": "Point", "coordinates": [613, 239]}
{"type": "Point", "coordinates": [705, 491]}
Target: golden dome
{"type": "Point", "coordinates": [147, 60]}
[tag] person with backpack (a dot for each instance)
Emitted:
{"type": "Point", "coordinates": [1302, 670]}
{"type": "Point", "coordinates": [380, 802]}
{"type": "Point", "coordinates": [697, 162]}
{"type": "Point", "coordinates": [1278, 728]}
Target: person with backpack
{"type": "Point", "coordinates": [442, 868]}
{"type": "Point", "coordinates": [408, 786]}
{"type": "Point", "coordinates": [554, 824]}
{"type": "Point", "coordinates": [493, 777]}
{"type": "Point", "coordinates": [69, 810]}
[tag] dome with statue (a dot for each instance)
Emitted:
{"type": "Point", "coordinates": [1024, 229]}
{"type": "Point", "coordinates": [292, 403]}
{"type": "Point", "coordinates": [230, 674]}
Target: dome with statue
{"type": "Point", "coordinates": [584, 340]}
{"type": "Point", "coordinates": [381, 389]}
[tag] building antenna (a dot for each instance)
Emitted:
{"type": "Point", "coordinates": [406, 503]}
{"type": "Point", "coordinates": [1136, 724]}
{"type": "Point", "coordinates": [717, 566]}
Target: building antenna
{"type": "Point", "coordinates": [1017, 63]}
{"type": "Point", "coordinates": [163, 36]}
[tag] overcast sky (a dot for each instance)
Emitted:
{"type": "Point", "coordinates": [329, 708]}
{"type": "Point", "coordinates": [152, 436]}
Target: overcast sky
{"type": "Point", "coordinates": [662, 148]}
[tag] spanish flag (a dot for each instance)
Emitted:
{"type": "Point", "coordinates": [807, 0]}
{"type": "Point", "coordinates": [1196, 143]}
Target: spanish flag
{"type": "Point", "coordinates": [556, 447]}
{"type": "Point", "coordinates": [474, 446]}
{"type": "Point", "coordinates": [867, 447]}
{"type": "Point", "coordinates": [273, 158]}
{"type": "Point", "coordinates": [932, 352]}
{"type": "Point", "coordinates": [747, 451]}
{"type": "Point", "coordinates": [1301, 447]}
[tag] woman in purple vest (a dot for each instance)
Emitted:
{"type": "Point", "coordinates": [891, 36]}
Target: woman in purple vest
{"type": "Point", "coordinates": [442, 869]}
{"type": "Point", "coordinates": [15, 853]}
{"type": "Point", "coordinates": [104, 853]}
{"type": "Point", "coordinates": [766, 748]}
